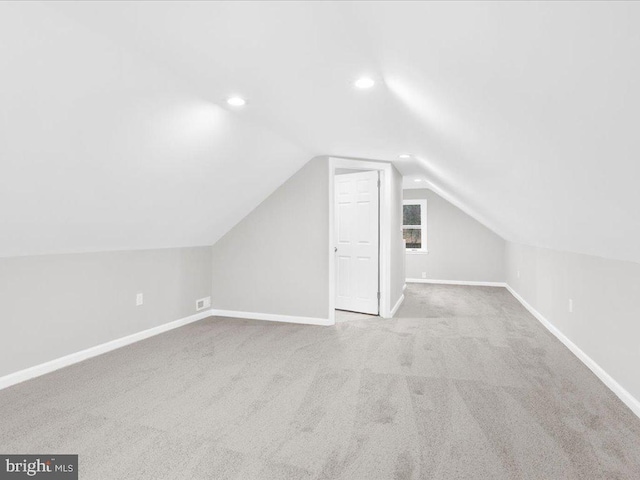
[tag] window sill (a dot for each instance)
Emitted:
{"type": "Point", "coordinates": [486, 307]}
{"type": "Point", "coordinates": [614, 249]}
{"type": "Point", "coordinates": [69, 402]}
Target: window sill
{"type": "Point", "coordinates": [417, 252]}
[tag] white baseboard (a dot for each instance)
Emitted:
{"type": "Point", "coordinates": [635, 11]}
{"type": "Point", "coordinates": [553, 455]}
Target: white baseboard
{"type": "Point", "coordinates": [397, 305]}
{"type": "Point", "coordinates": [58, 363]}
{"type": "Point", "coordinates": [457, 282]}
{"type": "Point", "coordinates": [628, 399]}
{"type": "Point", "coordinates": [271, 317]}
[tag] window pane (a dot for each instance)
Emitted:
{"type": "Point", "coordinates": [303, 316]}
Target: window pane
{"type": "Point", "coordinates": [411, 215]}
{"type": "Point", "coordinates": [412, 237]}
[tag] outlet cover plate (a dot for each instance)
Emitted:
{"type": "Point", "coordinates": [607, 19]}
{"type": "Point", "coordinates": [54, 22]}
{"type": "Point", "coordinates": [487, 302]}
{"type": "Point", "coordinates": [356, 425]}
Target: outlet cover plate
{"type": "Point", "coordinates": [203, 303]}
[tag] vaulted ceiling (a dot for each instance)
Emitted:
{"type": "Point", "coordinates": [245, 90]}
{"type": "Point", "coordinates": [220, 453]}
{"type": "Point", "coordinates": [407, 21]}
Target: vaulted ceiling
{"type": "Point", "coordinates": [115, 132]}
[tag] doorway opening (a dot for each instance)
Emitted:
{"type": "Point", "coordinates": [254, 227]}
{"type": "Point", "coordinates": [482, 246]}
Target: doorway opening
{"type": "Point", "coordinates": [359, 247]}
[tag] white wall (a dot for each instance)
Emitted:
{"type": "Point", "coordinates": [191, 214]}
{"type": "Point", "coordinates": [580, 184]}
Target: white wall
{"type": "Point", "coordinates": [275, 260]}
{"type": "Point", "coordinates": [56, 305]}
{"type": "Point", "coordinates": [460, 247]}
{"type": "Point", "coordinates": [397, 243]}
{"type": "Point", "coordinates": [102, 149]}
{"type": "Point", "coordinates": [605, 323]}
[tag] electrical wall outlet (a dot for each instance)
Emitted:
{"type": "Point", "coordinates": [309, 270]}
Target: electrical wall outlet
{"type": "Point", "coordinates": [139, 299]}
{"type": "Point", "coordinates": [518, 273]}
{"type": "Point", "coordinates": [424, 274]}
{"type": "Point", "coordinates": [203, 303]}
{"type": "Point", "coordinates": [570, 305]}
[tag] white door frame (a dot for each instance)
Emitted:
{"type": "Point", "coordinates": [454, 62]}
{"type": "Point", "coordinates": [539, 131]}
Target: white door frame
{"type": "Point", "coordinates": [385, 229]}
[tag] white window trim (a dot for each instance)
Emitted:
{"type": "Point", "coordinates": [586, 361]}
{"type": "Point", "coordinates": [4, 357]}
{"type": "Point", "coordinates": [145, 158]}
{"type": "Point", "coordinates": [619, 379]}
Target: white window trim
{"type": "Point", "coordinates": [422, 226]}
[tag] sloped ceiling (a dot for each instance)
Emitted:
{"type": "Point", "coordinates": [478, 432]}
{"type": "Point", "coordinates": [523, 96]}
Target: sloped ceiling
{"type": "Point", "coordinates": [115, 131]}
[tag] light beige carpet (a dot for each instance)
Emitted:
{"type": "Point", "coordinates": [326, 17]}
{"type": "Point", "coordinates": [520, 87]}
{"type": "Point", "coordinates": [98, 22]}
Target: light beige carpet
{"type": "Point", "coordinates": [463, 384]}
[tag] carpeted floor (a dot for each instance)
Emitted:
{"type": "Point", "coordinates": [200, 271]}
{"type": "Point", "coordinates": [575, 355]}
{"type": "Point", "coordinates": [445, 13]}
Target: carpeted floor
{"type": "Point", "coordinates": [463, 384]}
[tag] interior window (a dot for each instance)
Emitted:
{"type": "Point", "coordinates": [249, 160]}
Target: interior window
{"type": "Point", "coordinates": [414, 225]}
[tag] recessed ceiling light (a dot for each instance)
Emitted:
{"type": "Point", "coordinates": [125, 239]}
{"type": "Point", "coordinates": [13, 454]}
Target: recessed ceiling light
{"type": "Point", "coordinates": [236, 101]}
{"type": "Point", "coordinates": [364, 82]}
{"type": "Point", "coordinates": [417, 179]}
{"type": "Point", "coordinates": [404, 155]}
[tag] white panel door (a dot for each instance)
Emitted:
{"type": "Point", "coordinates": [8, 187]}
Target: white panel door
{"type": "Point", "coordinates": [356, 242]}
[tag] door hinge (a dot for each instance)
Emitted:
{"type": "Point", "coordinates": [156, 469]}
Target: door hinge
{"type": "Point", "coordinates": [378, 295]}
{"type": "Point", "coordinates": [378, 183]}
